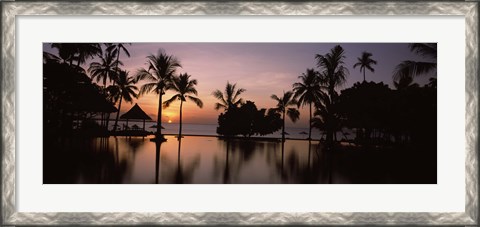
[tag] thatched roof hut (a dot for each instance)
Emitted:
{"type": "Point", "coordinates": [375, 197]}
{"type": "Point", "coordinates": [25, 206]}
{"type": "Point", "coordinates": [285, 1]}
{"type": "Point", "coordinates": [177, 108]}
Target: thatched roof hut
{"type": "Point", "coordinates": [136, 113]}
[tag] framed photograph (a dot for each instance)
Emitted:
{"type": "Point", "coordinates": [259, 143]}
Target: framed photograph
{"type": "Point", "coordinates": [240, 113]}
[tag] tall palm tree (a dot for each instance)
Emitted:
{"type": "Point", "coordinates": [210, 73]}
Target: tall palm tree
{"type": "Point", "coordinates": [124, 88]}
{"type": "Point", "coordinates": [333, 71]}
{"type": "Point", "coordinates": [116, 49]}
{"type": "Point", "coordinates": [308, 91]}
{"type": "Point", "coordinates": [105, 69]}
{"type": "Point", "coordinates": [230, 98]}
{"type": "Point", "coordinates": [333, 74]}
{"type": "Point", "coordinates": [417, 68]}
{"type": "Point", "coordinates": [283, 108]}
{"type": "Point", "coordinates": [185, 88]}
{"type": "Point", "coordinates": [161, 69]}
{"type": "Point", "coordinates": [365, 62]}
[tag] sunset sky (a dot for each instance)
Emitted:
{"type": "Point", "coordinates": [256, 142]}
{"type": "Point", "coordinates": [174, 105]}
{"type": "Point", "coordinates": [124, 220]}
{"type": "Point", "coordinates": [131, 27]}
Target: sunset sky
{"type": "Point", "coordinates": [262, 69]}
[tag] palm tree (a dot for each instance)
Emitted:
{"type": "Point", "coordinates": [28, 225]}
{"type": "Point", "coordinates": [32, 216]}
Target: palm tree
{"type": "Point", "coordinates": [185, 88]}
{"type": "Point", "coordinates": [416, 68]}
{"type": "Point", "coordinates": [283, 108]}
{"type": "Point", "coordinates": [87, 50]}
{"type": "Point", "coordinates": [77, 51]}
{"type": "Point", "coordinates": [365, 62]}
{"type": "Point", "coordinates": [105, 69]}
{"type": "Point", "coordinates": [333, 74]}
{"type": "Point", "coordinates": [308, 91]}
{"type": "Point", "coordinates": [161, 69]}
{"type": "Point", "coordinates": [66, 51]}
{"type": "Point", "coordinates": [230, 98]}
{"type": "Point", "coordinates": [124, 88]}
{"type": "Point", "coordinates": [116, 49]}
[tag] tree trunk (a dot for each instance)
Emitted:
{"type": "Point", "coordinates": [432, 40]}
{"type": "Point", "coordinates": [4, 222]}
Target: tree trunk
{"type": "Point", "coordinates": [363, 75]}
{"type": "Point", "coordinates": [117, 69]}
{"type": "Point", "coordinates": [118, 113]}
{"type": "Point", "coordinates": [159, 115]}
{"type": "Point", "coordinates": [283, 127]}
{"type": "Point", "coordinates": [310, 124]}
{"type": "Point", "coordinates": [180, 128]}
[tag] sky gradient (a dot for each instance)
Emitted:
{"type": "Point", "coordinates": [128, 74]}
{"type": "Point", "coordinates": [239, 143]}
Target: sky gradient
{"type": "Point", "coordinates": [262, 69]}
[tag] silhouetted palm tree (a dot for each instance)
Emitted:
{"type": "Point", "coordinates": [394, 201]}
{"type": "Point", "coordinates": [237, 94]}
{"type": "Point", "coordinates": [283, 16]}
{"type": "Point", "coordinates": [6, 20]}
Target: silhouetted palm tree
{"type": "Point", "coordinates": [365, 62]}
{"type": "Point", "coordinates": [117, 48]}
{"type": "Point", "coordinates": [185, 88]}
{"type": "Point", "coordinates": [230, 98]}
{"type": "Point", "coordinates": [124, 88]}
{"type": "Point", "coordinates": [333, 73]}
{"type": "Point", "coordinates": [66, 51]}
{"type": "Point", "coordinates": [105, 69]}
{"type": "Point", "coordinates": [77, 51]}
{"type": "Point", "coordinates": [283, 108]}
{"type": "Point", "coordinates": [416, 68]}
{"type": "Point", "coordinates": [308, 91]}
{"type": "Point", "coordinates": [161, 69]}
{"type": "Point", "coordinates": [87, 50]}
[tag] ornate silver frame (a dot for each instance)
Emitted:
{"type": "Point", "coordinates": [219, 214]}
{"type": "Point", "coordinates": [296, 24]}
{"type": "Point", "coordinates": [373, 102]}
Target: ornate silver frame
{"type": "Point", "coordinates": [11, 9]}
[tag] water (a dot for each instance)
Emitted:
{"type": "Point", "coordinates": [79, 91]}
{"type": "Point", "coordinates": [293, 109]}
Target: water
{"type": "Point", "coordinates": [211, 160]}
{"type": "Point", "coordinates": [211, 130]}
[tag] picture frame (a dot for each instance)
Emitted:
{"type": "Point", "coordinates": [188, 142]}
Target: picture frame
{"type": "Point", "coordinates": [10, 11]}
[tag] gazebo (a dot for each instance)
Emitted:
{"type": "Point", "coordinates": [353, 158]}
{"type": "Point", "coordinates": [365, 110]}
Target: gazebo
{"type": "Point", "coordinates": [136, 113]}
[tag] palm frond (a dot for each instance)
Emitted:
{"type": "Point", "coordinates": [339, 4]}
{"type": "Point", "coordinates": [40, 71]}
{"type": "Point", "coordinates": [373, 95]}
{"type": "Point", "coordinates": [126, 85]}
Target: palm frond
{"type": "Point", "coordinates": [196, 100]}
{"type": "Point", "coordinates": [412, 69]}
{"type": "Point", "coordinates": [172, 99]}
{"type": "Point", "coordinates": [219, 106]}
{"type": "Point", "coordinates": [424, 49]}
{"type": "Point", "coordinates": [293, 114]}
{"type": "Point", "coordinates": [146, 88]}
{"type": "Point", "coordinates": [143, 74]}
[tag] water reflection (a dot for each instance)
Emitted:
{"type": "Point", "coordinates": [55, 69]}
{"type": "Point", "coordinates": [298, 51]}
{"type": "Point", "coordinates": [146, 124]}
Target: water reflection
{"type": "Point", "coordinates": [210, 160]}
{"type": "Point", "coordinates": [84, 161]}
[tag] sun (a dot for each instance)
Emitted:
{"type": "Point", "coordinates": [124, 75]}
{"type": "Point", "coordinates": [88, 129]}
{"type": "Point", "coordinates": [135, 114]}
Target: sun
{"type": "Point", "coordinates": [169, 121]}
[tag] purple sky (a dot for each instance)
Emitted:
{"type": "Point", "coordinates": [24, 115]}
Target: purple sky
{"type": "Point", "coordinates": [261, 68]}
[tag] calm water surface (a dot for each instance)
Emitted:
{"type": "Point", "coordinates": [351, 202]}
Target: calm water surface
{"type": "Point", "coordinates": [211, 160]}
{"type": "Point", "coordinates": [207, 160]}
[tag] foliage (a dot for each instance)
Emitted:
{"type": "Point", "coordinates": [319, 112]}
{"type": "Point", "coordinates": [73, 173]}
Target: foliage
{"type": "Point", "coordinates": [230, 98]}
{"type": "Point", "coordinates": [247, 120]}
{"type": "Point", "coordinates": [381, 114]}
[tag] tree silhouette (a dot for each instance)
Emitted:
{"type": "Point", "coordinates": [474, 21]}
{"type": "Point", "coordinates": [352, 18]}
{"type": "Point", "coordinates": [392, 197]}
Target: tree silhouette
{"type": "Point", "coordinates": [365, 62]}
{"type": "Point", "coordinates": [124, 88]}
{"type": "Point", "coordinates": [333, 74]}
{"type": "Point", "coordinates": [283, 107]}
{"type": "Point", "coordinates": [87, 50]}
{"type": "Point", "coordinates": [79, 52]}
{"type": "Point", "coordinates": [161, 69]}
{"type": "Point", "coordinates": [185, 88]}
{"type": "Point", "coordinates": [308, 91]}
{"type": "Point", "coordinates": [105, 69]}
{"type": "Point", "coordinates": [116, 49]}
{"type": "Point", "coordinates": [230, 98]}
{"type": "Point", "coordinates": [416, 68]}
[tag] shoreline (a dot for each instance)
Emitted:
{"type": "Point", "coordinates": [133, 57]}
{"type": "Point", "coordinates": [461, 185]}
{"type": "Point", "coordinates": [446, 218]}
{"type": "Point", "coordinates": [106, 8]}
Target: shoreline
{"type": "Point", "coordinates": [239, 137]}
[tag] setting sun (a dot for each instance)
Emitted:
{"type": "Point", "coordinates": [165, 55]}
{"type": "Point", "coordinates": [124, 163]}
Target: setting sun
{"type": "Point", "coordinates": [169, 121]}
